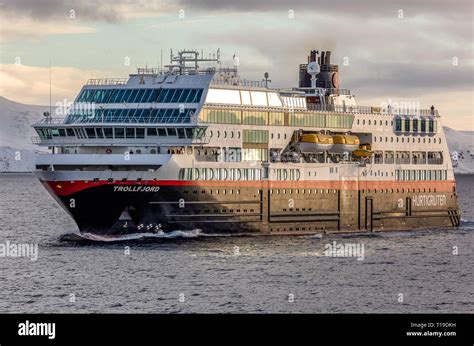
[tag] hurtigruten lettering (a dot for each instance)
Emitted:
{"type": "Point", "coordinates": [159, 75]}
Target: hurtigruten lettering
{"type": "Point", "coordinates": [428, 200]}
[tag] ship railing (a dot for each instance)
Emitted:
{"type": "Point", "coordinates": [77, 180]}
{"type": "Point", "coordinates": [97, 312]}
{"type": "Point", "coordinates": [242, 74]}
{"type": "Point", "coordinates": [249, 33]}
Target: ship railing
{"type": "Point", "coordinates": [338, 91]}
{"type": "Point", "coordinates": [50, 121]}
{"type": "Point", "coordinates": [176, 70]}
{"type": "Point", "coordinates": [107, 81]}
{"type": "Point", "coordinates": [236, 82]}
{"type": "Point", "coordinates": [36, 140]}
{"type": "Point", "coordinates": [373, 110]}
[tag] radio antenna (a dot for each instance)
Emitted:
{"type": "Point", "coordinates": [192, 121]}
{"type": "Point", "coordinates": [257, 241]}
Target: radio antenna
{"type": "Point", "coordinates": [50, 107]}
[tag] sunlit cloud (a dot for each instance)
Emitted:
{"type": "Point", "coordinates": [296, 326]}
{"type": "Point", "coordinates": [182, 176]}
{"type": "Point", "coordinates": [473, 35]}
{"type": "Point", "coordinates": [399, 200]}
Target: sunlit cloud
{"type": "Point", "coordinates": [29, 84]}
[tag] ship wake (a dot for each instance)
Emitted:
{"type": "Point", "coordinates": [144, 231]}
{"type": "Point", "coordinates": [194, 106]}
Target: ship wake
{"type": "Point", "coordinates": [177, 234]}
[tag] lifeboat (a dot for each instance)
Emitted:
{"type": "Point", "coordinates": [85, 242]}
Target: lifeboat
{"type": "Point", "coordinates": [345, 143]}
{"type": "Point", "coordinates": [315, 143]}
{"type": "Point", "coordinates": [363, 151]}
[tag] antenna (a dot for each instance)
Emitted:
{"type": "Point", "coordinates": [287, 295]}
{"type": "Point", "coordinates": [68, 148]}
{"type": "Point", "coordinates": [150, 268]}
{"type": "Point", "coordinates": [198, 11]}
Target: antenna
{"type": "Point", "coordinates": [50, 107]}
{"type": "Point", "coordinates": [161, 60]}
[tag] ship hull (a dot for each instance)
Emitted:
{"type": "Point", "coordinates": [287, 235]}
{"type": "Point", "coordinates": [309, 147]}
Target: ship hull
{"type": "Point", "coordinates": [252, 207]}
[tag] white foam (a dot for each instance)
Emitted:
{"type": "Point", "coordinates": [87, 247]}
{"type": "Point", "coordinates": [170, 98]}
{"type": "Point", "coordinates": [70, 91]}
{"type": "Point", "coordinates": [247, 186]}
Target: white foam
{"type": "Point", "coordinates": [139, 236]}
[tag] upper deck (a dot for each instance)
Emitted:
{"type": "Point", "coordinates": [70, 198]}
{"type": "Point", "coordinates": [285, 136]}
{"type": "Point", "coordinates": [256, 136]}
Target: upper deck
{"type": "Point", "coordinates": [187, 98]}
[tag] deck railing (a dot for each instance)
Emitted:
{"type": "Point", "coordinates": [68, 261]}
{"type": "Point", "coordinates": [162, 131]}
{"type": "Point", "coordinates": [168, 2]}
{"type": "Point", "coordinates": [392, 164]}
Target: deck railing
{"type": "Point", "coordinates": [373, 110]}
{"type": "Point", "coordinates": [107, 81]}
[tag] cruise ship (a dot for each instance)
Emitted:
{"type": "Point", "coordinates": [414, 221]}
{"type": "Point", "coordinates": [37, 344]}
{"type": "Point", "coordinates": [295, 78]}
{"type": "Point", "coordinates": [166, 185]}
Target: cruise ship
{"type": "Point", "coordinates": [192, 145]}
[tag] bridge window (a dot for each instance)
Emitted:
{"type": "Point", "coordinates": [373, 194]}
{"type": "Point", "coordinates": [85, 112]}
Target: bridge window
{"type": "Point", "coordinates": [140, 132]}
{"type": "Point", "coordinates": [140, 95]}
{"type": "Point", "coordinates": [90, 132]}
{"type": "Point", "coordinates": [119, 132]}
{"type": "Point", "coordinates": [151, 132]}
{"type": "Point", "coordinates": [130, 132]}
{"type": "Point", "coordinates": [99, 132]}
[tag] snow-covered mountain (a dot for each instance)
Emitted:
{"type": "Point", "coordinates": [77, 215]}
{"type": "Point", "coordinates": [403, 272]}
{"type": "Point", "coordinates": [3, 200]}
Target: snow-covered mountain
{"type": "Point", "coordinates": [461, 147]}
{"type": "Point", "coordinates": [17, 151]}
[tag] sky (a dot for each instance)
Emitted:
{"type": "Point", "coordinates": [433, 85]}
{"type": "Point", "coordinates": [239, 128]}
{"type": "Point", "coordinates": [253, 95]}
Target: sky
{"type": "Point", "coordinates": [388, 51]}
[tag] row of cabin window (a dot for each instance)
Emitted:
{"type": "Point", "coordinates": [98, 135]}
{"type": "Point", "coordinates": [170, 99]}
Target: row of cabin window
{"type": "Point", "coordinates": [315, 191]}
{"type": "Point", "coordinates": [219, 174]}
{"type": "Point", "coordinates": [229, 116]}
{"type": "Point", "coordinates": [415, 125]}
{"type": "Point", "coordinates": [124, 115]}
{"type": "Point", "coordinates": [140, 95]}
{"type": "Point", "coordinates": [321, 120]}
{"type": "Point", "coordinates": [421, 174]}
{"type": "Point", "coordinates": [413, 140]}
{"type": "Point", "coordinates": [235, 174]}
{"type": "Point", "coordinates": [405, 125]}
{"type": "Point", "coordinates": [226, 116]}
{"type": "Point", "coordinates": [286, 174]}
{"type": "Point", "coordinates": [251, 136]}
{"type": "Point", "coordinates": [374, 122]}
{"type": "Point", "coordinates": [408, 157]}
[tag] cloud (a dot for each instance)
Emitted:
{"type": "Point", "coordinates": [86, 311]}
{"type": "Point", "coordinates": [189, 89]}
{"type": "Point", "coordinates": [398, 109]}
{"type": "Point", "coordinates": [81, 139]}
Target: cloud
{"type": "Point", "coordinates": [361, 8]}
{"type": "Point", "coordinates": [14, 29]}
{"type": "Point", "coordinates": [27, 19]}
{"type": "Point", "coordinates": [28, 84]}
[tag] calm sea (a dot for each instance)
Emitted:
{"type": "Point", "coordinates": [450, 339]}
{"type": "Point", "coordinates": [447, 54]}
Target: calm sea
{"type": "Point", "coordinates": [191, 272]}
